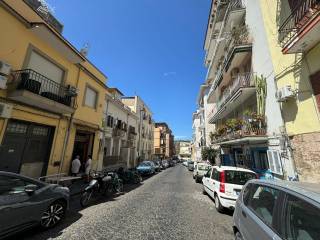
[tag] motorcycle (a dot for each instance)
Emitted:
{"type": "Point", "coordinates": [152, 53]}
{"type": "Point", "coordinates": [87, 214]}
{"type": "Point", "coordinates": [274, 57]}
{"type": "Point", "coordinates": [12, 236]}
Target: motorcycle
{"type": "Point", "coordinates": [129, 176]}
{"type": "Point", "coordinates": [101, 184]}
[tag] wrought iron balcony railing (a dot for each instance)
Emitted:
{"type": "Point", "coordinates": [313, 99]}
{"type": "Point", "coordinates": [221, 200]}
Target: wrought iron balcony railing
{"type": "Point", "coordinates": [299, 17]}
{"type": "Point", "coordinates": [39, 84]}
{"type": "Point", "coordinates": [240, 81]}
{"type": "Point", "coordinates": [236, 4]}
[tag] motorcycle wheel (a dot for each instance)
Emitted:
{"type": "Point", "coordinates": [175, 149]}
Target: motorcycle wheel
{"type": "Point", "coordinates": [137, 179]}
{"type": "Point", "coordinates": [119, 187]}
{"type": "Point", "coordinates": [85, 198]}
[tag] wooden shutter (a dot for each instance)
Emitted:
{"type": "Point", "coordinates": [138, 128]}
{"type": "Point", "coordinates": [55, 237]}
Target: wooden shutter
{"type": "Point", "coordinates": [315, 83]}
{"type": "Point", "coordinates": [274, 160]}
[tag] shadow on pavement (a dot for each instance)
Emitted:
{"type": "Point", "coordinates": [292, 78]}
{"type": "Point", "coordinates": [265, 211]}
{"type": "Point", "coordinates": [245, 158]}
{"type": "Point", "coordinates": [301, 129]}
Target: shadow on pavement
{"type": "Point", "coordinates": [72, 215]}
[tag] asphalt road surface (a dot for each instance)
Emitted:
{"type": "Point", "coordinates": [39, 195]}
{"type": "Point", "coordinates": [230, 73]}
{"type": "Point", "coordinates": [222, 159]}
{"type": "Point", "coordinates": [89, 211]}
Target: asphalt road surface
{"type": "Point", "coordinates": [169, 205]}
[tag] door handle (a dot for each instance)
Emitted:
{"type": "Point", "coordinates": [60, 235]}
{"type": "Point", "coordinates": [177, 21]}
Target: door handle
{"type": "Point", "coordinates": [244, 214]}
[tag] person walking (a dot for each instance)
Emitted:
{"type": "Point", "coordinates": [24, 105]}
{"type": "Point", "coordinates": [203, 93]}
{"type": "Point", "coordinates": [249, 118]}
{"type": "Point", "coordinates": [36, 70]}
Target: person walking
{"type": "Point", "coordinates": [88, 166]}
{"type": "Point", "coordinates": [75, 166]}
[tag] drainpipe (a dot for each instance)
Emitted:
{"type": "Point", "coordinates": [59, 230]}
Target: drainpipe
{"type": "Point", "coordinates": [103, 141]}
{"type": "Point", "coordinates": [67, 136]}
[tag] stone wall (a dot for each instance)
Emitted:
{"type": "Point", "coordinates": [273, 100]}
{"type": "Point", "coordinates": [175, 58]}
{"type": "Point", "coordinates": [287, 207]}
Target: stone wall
{"type": "Point", "coordinates": [306, 152]}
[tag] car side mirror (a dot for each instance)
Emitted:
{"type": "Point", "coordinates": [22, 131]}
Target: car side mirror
{"type": "Point", "coordinates": [30, 189]}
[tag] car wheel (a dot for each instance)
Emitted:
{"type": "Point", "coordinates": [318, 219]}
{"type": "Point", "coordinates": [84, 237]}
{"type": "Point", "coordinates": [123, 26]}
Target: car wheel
{"type": "Point", "coordinates": [53, 215]}
{"type": "Point", "coordinates": [85, 198]}
{"type": "Point", "coordinates": [203, 190]}
{"type": "Point", "coordinates": [217, 204]}
{"type": "Point", "coordinates": [119, 187]}
{"type": "Point", "coordinates": [238, 236]}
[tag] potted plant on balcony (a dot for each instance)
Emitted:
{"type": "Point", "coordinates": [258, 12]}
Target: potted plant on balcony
{"type": "Point", "coordinates": [240, 34]}
{"type": "Point", "coordinates": [213, 136]}
{"type": "Point", "coordinates": [222, 130]}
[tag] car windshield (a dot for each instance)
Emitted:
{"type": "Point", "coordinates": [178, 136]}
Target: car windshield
{"type": "Point", "coordinates": [144, 164]}
{"type": "Point", "coordinates": [239, 177]}
{"type": "Point", "coordinates": [203, 167]}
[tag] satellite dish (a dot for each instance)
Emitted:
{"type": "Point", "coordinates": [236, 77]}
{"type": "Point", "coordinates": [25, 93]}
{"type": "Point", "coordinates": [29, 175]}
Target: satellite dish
{"type": "Point", "coordinates": [85, 49]}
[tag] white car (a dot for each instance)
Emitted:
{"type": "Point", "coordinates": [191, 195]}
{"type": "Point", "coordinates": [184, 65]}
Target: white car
{"type": "Point", "coordinates": [224, 184]}
{"type": "Point", "coordinates": [200, 169]}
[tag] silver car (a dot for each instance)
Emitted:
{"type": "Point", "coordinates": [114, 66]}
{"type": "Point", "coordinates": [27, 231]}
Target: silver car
{"type": "Point", "coordinates": [26, 202]}
{"type": "Point", "coordinates": [273, 210]}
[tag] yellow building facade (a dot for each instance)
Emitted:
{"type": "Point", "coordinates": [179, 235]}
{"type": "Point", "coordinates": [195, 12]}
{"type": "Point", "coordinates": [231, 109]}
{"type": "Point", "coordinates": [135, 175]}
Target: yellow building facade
{"type": "Point", "coordinates": [54, 95]}
{"type": "Point", "coordinates": [295, 52]}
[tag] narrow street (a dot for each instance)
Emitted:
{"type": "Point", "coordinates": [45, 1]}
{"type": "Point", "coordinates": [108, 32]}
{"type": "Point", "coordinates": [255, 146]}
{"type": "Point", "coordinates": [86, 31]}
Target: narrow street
{"type": "Point", "coordinates": [169, 205]}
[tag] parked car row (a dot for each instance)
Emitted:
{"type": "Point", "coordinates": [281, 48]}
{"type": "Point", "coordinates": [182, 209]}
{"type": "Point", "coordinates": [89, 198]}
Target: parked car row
{"type": "Point", "coordinates": [263, 209]}
{"type": "Point", "coordinates": [26, 202]}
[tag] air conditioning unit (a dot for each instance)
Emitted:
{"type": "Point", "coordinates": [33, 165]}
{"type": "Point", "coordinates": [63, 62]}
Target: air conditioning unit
{"type": "Point", "coordinates": [3, 82]}
{"type": "Point", "coordinates": [5, 110]}
{"type": "Point", "coordinates": [72, 91]}
{"type": "Point", "coordinates": [5, 68]}
{"type": "Point", "coordinates": [284, 93]}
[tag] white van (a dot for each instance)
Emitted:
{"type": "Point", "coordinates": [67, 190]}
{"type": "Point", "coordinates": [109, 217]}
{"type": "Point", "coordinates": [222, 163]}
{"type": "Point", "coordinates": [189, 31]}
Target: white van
{"type": "Point", "coordinates": [200, 170]}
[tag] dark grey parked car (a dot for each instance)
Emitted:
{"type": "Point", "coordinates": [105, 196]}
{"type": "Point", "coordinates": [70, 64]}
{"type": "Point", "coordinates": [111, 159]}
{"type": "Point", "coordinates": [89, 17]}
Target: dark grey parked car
{"type": "Point", "coordinates": [274, 210]}
{"type": "Point", "coordinates": [25, 202]}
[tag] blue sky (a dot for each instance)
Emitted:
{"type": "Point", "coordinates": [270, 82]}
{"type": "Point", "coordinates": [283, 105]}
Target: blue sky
{"type": "Point", "coordinates": [150, 48]}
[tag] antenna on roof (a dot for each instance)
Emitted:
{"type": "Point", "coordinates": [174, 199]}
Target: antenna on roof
{"type": "Point", "coordinates": [85, 49]}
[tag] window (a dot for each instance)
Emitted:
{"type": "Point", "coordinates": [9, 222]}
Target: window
{"type": "Point", "coordinates": [314, 80]}
{"type": "Point", "coordinates": [45, 67]}
{"type": "Point", "coordinates": [239, 177]}
{"type": "Point", "coordinates": [14, 127]}
{"type": "Point", "coordinates": [274, 160]}
{"type": "Point", "coordinates": [301, 220]}
{"type": "Point", "coordinates": [12, 185]}
{"type": "Point", "coordinates": [246, 194]}
{"type": "Point", "coordinates": [208, 173]}
{"type": "Point", "coordinates": [215, 174]}
{"type": "Point", "coordinates": [90, 98]}
{"type": "Point", "coordinates": [262, 201]}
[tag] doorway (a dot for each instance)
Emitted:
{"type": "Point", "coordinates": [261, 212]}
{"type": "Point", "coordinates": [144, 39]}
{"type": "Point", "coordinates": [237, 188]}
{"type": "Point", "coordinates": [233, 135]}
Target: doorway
{"type": "Point", "coordinates": [83, 146]}
{"type": "Point", "coordinates": [26, 148]}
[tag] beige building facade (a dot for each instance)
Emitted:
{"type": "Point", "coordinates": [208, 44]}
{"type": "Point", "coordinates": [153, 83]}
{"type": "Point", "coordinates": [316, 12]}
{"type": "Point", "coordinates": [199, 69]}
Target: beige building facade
{"type": "Point", "coordinates": [163, 141]}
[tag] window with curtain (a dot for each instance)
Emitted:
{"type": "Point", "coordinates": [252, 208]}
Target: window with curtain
{"type": "Point", "coordinates": [90, 98]}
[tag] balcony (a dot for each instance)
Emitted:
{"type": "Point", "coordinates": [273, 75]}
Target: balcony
{"type": "Point", "coordinates": [45, 14]}
{"type": "Point", "coordinates": [32, 88]}
{"type": "Point", "coordinates": [235, 14]}
{"type": "Point", "coordinates": [240, 89]}
{"type": "Point", "coordinates": [238, 48]}
{"type": "Point", "coordinates": [235, 131]}
{"type": "Point", "coordinates": [301, 30]}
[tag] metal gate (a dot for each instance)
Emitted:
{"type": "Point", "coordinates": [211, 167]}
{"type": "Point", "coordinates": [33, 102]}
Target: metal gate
{"type": "Point", "coordinates": [25, 148]}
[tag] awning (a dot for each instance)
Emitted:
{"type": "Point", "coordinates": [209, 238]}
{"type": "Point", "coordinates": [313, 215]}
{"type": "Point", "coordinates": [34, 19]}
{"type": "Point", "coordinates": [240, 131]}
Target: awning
{"type": "Point", "coordinates": [245, 141]}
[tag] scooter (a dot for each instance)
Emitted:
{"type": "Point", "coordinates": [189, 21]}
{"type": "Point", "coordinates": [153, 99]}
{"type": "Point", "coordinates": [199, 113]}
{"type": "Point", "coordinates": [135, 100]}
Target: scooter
{"type": "Point", "coordinates": [103, 183]}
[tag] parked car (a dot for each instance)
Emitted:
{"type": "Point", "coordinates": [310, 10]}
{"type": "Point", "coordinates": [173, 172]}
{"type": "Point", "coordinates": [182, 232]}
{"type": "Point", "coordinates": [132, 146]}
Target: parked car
{"type": "Point", "coordinates": [157, 166]}
{"type": "Point", "coordinates": [165, 164]}
{"type": "Point", "coordinates": [171, 163]}
{"type": "Point", "coordinates": [224, 184]}
{"type": "Point", "coordinates": [277, 210]}
{"type": "Point", "coordinates": [146, 168]}
{"type": "Point", "coordinates": [185, 163]}
{"type": "Point", "coordinates": [129, 176]}
{"type": "Point", "coordinates": [200, 170]}
{"type": "Point", "coordinates": [190, 165]}
{"type": "Point", "coordinates": [26, 202]}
